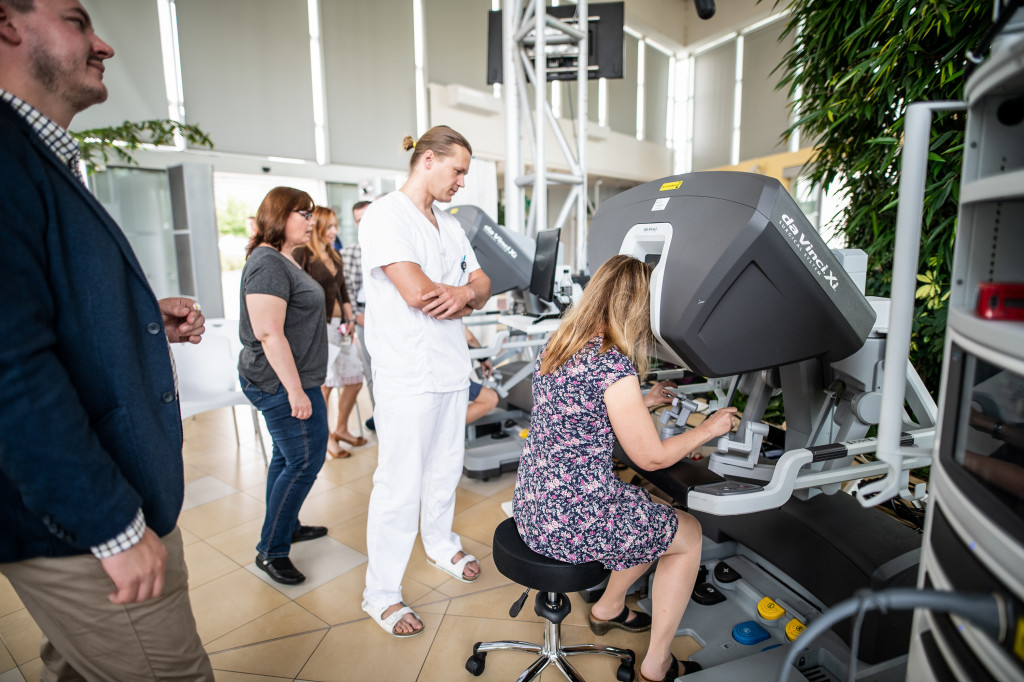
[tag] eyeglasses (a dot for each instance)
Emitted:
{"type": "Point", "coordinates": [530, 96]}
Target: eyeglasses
{"type": "Point", "coordinates": [308, 215]}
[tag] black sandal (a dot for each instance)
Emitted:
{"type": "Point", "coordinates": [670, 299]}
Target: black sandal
{"type": "Point", "coordinates": [673, 670]}
{"type": "Point", "coordinates": [642, 622]}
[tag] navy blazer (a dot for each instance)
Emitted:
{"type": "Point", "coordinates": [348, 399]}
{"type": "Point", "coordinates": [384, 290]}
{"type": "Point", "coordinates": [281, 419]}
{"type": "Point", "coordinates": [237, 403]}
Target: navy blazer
{"type": "Point", "coordinates": [90, 426]}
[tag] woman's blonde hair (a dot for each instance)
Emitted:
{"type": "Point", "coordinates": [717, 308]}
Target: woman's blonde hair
{"type": "Point", "coordinates": [318, 240]}
{"type": "Point", "coordinates": [617, 304]}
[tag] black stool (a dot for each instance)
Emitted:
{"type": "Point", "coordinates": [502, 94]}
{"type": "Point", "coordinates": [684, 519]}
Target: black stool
{"type": "Point", "coordinates": [552, 579]}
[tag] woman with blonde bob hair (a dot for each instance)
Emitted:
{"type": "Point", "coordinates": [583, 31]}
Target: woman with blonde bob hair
{"type": "Point", "coordinates": [568, 503]}
{"type": "Point", "coordinates": [322, 262]}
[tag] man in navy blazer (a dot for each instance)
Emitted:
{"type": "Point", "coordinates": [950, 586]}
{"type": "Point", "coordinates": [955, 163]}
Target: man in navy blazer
{"type": "Point", "coordinates": [91, 478]}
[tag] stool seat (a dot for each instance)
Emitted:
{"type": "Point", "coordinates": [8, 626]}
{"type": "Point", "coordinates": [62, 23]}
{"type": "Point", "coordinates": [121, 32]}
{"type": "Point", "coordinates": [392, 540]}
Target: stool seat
{"type": "Point", "coordinates": [552, 579]}
{"type": "Point", "coordinates": [517, 562]}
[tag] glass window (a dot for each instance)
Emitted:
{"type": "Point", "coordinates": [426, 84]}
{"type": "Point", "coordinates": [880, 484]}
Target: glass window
{"type": "Point", "coordinates": [341, 197]}
{"type": "Point", "coordinates": [140, 202]}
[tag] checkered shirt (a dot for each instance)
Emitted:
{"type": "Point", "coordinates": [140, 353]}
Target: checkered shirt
{"type": "Point", "coordinates": [60, 142]}
{"type": "Point", "coordinates": [352, 264]}
{"type": "Point", "coordinates": [126, 539]}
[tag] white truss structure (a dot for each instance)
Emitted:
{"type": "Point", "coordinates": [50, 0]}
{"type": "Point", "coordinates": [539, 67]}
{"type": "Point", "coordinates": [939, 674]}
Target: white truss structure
{"type": "Point", "coordinates": [530, 35]}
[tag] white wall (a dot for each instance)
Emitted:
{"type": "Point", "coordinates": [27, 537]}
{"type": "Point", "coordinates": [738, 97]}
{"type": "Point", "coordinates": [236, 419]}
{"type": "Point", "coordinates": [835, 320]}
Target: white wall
{"type": "Point", "coordinates": [615, 155]}
{"type": "Point", "coordinates": [247, 81]}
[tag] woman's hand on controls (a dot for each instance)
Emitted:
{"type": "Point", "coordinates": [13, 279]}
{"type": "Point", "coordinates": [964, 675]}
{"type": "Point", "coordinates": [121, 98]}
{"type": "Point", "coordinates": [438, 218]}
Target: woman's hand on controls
{"type": "Point", "coordinates": [301, 407]}
{"type": "Point", "coordinates": [721, 422]}
{"type": "Point", "coordinates": [660, 394]}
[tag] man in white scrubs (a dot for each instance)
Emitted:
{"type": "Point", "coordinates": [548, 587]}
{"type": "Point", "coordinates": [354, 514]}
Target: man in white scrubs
{"type": "Point", "coordinates": [420, 277]}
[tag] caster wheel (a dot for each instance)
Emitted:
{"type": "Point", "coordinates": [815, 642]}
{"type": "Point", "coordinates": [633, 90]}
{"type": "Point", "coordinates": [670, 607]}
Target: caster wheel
{"type": "Point", "coordinates": [475, 664]}
{"type": "Point", "coordinates": [624, 673]}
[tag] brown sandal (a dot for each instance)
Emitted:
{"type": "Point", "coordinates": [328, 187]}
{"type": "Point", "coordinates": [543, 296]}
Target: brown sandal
{"type": "Point", "coordinates": [354, 441]}
{"type": "Point", "coordinates": [342, 453]}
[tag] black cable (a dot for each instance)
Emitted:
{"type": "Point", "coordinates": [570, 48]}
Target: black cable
{"type": "Point", "coordinates": [986, 611]}
{"type": "Point", "coordinates": [908, 513]}
{"type": "Point", "coordinates": [978, 54]}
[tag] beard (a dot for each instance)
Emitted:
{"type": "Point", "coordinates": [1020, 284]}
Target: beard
{"type": "Point", "coordinates": [57, 78]}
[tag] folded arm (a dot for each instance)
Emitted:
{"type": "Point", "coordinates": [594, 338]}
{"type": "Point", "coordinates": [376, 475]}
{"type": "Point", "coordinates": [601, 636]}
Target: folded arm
{"type": "Point", "coordinates": [440, 301]}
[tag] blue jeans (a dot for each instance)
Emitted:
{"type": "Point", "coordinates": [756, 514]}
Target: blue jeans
{"type": "Point", "coordinates": [298, 454]}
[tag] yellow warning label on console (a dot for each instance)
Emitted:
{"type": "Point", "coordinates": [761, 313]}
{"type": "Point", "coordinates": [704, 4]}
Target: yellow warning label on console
{"type": "Point", "coordinates": [671, 185]}
{"type": "Point", "coordinates": [454, 211]}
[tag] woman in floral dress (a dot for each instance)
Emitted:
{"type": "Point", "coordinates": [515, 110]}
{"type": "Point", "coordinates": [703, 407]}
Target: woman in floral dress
{"type": "Point", "coordinates": [568, 503]}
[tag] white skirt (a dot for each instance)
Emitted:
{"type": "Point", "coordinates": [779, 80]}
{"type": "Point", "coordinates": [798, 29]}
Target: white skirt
{"type": "Point", "coordinates": [347, 367]}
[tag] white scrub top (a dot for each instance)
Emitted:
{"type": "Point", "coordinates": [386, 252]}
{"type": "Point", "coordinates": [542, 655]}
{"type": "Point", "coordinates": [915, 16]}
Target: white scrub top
{"type": "Point", "coordinates": [410, 350]}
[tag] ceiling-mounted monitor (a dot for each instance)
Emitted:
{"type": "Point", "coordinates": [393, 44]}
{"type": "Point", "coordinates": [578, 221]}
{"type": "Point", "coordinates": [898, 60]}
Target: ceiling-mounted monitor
{"type": "Point", "coordinates": [605, 58]}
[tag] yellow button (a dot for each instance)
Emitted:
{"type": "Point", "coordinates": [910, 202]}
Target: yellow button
{"type": "Point", "coordinates": [794, 629]}
{"type": "Point", "coordinates": [524, 433]}
{"type": "Point", "coordinates": [1018, 640]}
{"type": "Point", "coordinates": [769, 610]}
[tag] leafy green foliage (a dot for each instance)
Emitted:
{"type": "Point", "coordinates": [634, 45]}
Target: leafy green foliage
{"type": "Point", "coordinates": [97, 145]}
{"type": "Point", "coordinates": [231, 217]}
{"type": "Point", "coordinates": [853, 69]}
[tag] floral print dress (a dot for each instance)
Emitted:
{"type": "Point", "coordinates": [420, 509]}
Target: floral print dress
{"type": "Point", "coordinates": [568, 503]}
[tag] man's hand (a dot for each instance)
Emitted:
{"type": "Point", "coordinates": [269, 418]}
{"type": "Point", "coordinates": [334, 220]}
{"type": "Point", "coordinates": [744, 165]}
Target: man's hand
{"type": "Point", "coordinates": [183, 321]}
{"type": "Point", "coordinates": [447, 302]}
{"type": "Point", "coordinates": [486, 368]}
{"type": "Point", "coordinates": [138, 572]}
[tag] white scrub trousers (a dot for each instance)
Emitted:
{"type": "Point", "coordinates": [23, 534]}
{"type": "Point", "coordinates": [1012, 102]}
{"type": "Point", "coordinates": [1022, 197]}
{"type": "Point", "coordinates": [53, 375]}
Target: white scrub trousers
{"type": "Point", "coordinates": [420, 457]}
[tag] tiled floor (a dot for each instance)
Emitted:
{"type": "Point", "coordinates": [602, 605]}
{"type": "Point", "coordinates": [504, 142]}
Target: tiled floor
{"type": "Point", "coordinates": [255, 629]}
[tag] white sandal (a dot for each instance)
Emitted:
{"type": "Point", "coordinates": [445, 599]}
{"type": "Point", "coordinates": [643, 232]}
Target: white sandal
{"type": "Point", "coordinates": [458, 569]}
{"type": "Point", "coordinates": [388, 624]}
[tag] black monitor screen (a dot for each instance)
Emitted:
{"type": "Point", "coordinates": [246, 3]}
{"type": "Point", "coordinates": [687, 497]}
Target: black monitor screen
{"type": "Point", "coordinates": [606, 58]}
{"type": "Point", "coordinates": [542, 280]}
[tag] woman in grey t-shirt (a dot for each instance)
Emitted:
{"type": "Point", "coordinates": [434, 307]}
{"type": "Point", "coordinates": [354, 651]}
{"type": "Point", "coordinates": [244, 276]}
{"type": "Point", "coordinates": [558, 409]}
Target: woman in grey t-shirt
{"type": "Point", "coordinates": [281, 367]}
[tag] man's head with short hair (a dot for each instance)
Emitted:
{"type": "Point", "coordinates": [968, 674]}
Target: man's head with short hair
{"type": "Point", "coordinates": [51, 57]}
{"type": "Point", "coordinates": [358, 209]}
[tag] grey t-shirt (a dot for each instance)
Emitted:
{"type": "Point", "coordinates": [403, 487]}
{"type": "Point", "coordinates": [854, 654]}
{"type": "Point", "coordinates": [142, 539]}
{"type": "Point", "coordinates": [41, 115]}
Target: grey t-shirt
{"type": "Point", "coordinates": [305, 324]}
